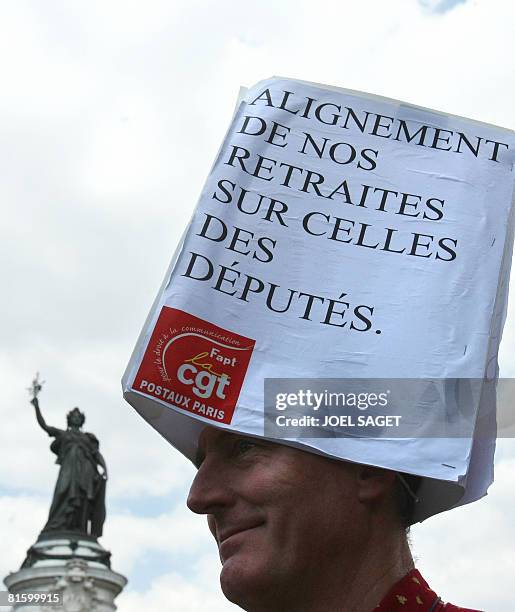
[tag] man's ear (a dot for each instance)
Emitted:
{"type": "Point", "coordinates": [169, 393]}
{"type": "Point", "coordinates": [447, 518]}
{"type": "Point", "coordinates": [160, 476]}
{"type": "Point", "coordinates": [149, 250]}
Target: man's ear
{"type": "Point", "coordinates": [373, 484]}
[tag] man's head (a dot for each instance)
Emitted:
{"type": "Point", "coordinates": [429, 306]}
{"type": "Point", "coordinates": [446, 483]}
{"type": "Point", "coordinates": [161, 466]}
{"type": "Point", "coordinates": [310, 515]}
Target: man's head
{"type": "Point", "coordinates": [285, 519]}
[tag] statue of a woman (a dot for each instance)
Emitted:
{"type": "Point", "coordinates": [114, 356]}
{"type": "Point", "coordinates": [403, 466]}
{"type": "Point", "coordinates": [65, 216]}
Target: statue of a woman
{"type": "Point", "coordinates": [79, 497]}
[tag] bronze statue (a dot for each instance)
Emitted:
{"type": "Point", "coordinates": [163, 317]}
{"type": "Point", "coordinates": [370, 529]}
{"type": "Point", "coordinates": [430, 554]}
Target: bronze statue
{"type": "Point", "coordinates": [78, 504]}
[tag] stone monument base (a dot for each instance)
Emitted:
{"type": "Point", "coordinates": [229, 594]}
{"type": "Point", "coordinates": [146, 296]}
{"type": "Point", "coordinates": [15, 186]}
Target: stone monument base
{"type": "Point", "coordinates": [74, 565]}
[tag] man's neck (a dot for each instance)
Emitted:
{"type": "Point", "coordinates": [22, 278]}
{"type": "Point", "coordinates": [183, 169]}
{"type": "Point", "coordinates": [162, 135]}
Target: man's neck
{"type": "Point", "coordinates": [355, 584]}
{"type": "Point", "coordinates": [375, 575]}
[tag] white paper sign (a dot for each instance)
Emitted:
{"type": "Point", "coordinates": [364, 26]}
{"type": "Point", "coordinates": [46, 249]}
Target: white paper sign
{"type": "Point", "coordinates": [338, 235]}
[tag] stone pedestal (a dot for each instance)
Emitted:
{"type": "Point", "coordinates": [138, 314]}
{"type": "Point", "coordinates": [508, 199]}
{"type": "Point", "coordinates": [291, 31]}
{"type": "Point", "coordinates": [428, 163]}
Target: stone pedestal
{"type": "Point", "coordinates": [76, 566]}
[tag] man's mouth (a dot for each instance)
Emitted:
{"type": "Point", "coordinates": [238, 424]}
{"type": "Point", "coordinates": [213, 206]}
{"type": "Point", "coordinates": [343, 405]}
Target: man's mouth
{"type": "Point", "coordinates": [225, 534]}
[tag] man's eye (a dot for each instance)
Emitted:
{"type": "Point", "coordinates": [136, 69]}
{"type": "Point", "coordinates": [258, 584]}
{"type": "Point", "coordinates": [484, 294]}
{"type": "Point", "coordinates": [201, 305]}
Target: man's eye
{"type": "Point", "coordinates": [243, 446]}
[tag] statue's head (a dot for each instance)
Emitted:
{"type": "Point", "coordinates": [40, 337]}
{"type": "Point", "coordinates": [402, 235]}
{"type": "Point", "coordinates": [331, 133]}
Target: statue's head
{"type": "Point", "coordinates": [75, 418]}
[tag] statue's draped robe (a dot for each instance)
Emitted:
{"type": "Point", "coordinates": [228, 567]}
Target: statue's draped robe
{"type": "Point", "coordinates": [79, 494]}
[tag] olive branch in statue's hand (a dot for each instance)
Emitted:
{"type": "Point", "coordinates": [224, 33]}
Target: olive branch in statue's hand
{"type": "Point", "coordinates": [35, 388]}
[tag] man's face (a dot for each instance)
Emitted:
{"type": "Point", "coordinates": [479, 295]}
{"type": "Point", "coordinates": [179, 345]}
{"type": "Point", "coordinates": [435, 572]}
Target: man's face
{"type": "Point", "coordinates": [280, 516]}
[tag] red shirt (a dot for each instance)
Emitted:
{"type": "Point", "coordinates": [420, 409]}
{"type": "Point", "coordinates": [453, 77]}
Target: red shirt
{"type": "Point", "coordinates": [411, 594]}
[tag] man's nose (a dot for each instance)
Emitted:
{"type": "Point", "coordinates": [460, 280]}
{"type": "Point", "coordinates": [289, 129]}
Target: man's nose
{"type": "Point", "coordinates": [210, 490]}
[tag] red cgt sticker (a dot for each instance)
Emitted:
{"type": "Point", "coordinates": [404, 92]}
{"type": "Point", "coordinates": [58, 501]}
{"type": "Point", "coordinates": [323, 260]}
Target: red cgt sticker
{"type": "Point", "coordinates": [194, 365]}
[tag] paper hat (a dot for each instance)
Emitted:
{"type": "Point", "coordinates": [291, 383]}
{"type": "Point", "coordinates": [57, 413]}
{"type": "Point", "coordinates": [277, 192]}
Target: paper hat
{"type": "Point", "coordinates": [341, 236]}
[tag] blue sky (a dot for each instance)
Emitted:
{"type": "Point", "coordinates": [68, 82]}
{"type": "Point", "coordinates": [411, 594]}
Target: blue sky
{"type": "Point", "coordinates": [441, 6]}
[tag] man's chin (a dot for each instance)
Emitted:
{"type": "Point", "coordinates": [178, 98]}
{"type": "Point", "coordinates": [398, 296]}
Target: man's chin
{"type": "Point", "coordinates": [242, 581]}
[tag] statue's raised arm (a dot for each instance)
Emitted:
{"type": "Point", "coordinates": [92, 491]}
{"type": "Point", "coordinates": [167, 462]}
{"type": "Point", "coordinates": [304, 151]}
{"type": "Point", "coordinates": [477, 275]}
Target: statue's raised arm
{"type": "Point", "coordinates": [34, 390]}
{"type": "Point", "coordinates": [51, 431]}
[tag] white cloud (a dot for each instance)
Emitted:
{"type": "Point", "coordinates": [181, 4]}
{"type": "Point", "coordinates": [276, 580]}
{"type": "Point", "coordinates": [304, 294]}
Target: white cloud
{"type": "Point", "coordinates": [467, 553]}
{"type": "Point", "coordinates": [173, 591]}
{"type": "Point", "coordinates": [177, 534]}
{"type": "Point", "coordinates": [23, 517]}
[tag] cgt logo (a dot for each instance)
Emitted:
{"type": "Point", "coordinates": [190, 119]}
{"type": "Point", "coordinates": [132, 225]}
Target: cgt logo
{"type": "Point", "coordinates": [194, 365]}
{"type": "Point", "coordinates": [205, 378]}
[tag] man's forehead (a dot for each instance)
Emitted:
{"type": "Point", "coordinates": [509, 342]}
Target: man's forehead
{"type": "Point", "coordinates": [215, 436]}
{"type": "Point", "coordinates": [212, 438]}
{"type": "Point", "coordinates": [210, 435]}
